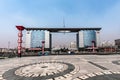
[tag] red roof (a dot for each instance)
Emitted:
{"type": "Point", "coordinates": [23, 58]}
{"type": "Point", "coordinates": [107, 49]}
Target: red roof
{"type": "Point", "coordinates": [20, 27]}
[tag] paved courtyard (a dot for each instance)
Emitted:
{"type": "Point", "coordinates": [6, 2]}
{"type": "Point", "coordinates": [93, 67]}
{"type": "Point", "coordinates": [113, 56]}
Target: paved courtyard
{"type": "Point", "coordinates": [61, 67]}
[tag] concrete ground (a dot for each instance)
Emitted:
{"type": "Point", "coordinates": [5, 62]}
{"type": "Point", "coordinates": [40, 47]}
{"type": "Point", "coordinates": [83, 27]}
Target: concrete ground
{"type": "Point", "coordinates": [61, 67]}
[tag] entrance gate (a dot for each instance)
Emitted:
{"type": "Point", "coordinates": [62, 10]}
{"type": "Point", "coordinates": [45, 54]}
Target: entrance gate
{"type": "Point", "coordinates": [64, 30]}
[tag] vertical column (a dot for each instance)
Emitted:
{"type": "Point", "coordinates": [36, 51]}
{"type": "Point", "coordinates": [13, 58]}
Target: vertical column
{"type": "Point", "coordinates": [93, 46]}
{"type": "Point", "coordinates": [47, 38]}
{"type": "Point", "coordinates": [77, 40]}
{"type": "Point", "coordinates": [81, 39]}
{"type": "Point", "coordinates": [50, 46]}
{"type": "Point", "coordinates": [19, 43]}
{"type": "Point", "coordinates": [97, 38]}
{"type": "Point", "coordinates": [43, 45]}
{"type": "Point", "coordinates": [20, 28]}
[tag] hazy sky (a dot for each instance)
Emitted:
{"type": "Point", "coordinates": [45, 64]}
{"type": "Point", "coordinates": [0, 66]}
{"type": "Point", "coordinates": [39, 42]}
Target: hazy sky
{"type": "Point", "coordinates": [50, 13]}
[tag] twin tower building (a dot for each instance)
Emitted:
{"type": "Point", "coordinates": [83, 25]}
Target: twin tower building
{"type": "Point", "coordinates": [84, 36]}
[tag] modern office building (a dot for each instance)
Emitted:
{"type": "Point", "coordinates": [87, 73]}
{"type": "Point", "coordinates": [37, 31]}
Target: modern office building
{"type": "Point", "coordinates": [34, 38]}
{"type": "Point", "coordinates": [84, 37]}
{"type": "Point", "coordinates": [87, 36]}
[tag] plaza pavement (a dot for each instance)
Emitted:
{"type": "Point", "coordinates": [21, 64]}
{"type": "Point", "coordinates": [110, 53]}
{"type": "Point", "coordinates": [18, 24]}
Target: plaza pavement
{"type": "Point", "coordinates": [61, 67]}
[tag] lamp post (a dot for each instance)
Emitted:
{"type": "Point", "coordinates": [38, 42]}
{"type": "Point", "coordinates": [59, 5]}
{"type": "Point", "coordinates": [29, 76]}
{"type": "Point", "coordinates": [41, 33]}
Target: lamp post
{"type": "Point", "coordinates": [20, 28]}
{"type": "Point", "coordinates": [43, 45]}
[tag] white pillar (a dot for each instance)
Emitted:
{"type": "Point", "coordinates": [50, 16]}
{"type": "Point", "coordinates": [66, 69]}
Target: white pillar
{"type": "Point", "coordinates": [81, 39]}
{"type": "Point", "coordinates": [28, 39]}
{"type": "Point", "coordinates": [47, 39]}
{"type": "Point", "coordinates": [97, 38]}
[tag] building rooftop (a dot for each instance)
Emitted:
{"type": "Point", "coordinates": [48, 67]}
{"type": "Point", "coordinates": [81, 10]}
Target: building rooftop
{"type": "Point", "coordinates": [63, 29]}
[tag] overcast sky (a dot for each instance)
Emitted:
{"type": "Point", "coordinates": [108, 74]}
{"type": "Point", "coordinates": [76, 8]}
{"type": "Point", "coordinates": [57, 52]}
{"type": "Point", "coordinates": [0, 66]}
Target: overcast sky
{"type": "Point", "coordinates": [50, 13]}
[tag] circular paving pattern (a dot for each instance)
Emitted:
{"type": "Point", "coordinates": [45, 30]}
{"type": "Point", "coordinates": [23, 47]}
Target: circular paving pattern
{"type": "Point", "coordinates": [39, 71]}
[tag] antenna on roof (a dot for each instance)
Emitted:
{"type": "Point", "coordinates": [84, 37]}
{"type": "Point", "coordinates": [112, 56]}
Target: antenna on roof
{"type": "Point", "coordinates": [64, 24]}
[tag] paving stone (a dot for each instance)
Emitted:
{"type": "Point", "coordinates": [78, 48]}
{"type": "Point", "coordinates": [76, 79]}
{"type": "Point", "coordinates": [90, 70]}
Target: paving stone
{"type": "Point", "coordinates": [73, 72]}
{"type": "Point", "coordinates": [29, 75]}
{"type": "Point", "coordinates": [107, 72]}
{"type": "Point", "coordinates": [91, 75]}
{"type": "Point", "coordinates": [60, 78]}
{"type": "Point", "coordinates": [99, 73]}
{"type": "Point", "coordinates": [67, 75]}
{"type": "Point", "coordinates": [55, 72]}
{"type": "Point", "coordinates": [49, 79]}
{"type": "Point", "coordinates": [43, 74]}
{"type": "Point", "coordinates": [77, 79]}
{"type": "Point", "coordinates": [34, 75]}
{"type": "Point", "coordinates": [84, 77]}
{"type": "Point", "coordinates": [50, 73]}
{"type": "Point", "coordinates": [116, 72]}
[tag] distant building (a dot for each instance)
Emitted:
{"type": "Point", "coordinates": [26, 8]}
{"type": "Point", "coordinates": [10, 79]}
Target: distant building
{"type": "Point", "coordinates": [2, 50]}
{"type": "Point", "coordinates": [117, 43]}
{"type": "Point", "coordinates": [34, 39]}
{"type": "Point", "coordinates": [73, 45]}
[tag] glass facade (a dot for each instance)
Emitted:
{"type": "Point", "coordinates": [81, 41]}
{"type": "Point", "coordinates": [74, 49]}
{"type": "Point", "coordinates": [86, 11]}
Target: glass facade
{"type": "Point", "coordinates": [89, 36]}
{"type": "Point", "coordinates": [36, 38]}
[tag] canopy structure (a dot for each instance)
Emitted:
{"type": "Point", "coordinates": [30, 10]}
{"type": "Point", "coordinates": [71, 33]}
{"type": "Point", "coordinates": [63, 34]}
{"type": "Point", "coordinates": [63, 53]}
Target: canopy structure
{"type": "Point", "coordinates": [63, 29]}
